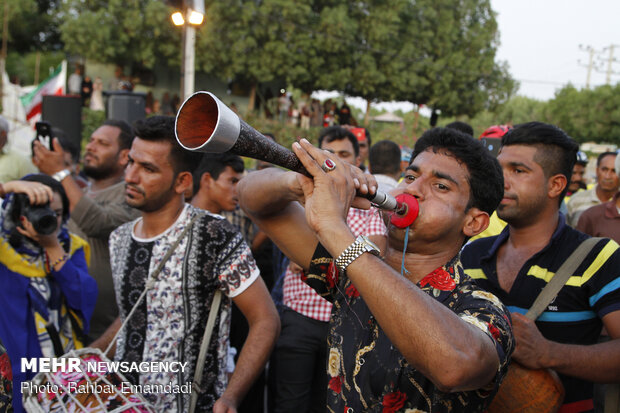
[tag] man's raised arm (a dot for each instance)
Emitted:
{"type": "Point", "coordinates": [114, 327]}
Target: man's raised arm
{"type": "Point", "coordinates": [271, 198]}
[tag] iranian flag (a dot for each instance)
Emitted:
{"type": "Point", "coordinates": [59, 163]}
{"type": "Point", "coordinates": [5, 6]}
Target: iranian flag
{"type": "Point", "coordinates": [53, 85]}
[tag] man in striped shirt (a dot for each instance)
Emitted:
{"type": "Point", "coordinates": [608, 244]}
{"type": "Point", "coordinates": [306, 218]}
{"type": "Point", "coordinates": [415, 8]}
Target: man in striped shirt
{"type": "Point", "coordinates": [537, 160]}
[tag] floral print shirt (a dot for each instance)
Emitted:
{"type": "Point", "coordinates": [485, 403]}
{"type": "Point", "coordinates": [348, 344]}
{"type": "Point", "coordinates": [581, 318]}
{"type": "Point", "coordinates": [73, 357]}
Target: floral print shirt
{"type": "Point", "coordinates": [6, 381]}
{"type": "Point", "coordinates": [368, 374]}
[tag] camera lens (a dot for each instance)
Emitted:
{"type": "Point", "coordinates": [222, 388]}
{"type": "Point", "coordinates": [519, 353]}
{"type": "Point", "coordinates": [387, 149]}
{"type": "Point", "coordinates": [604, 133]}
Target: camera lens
{"type": "Point", "coordinates": [42, 218]}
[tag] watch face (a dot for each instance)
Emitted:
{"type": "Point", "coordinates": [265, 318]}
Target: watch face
{"type": "Point", "coordinates": [370, 246]}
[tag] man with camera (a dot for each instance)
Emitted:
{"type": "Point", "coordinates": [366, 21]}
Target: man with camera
{"type": "Point", "coordinates": [98, 210]}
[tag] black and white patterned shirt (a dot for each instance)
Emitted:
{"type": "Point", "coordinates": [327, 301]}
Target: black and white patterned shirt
{"type": "Point", "coordinates": [170, 322]}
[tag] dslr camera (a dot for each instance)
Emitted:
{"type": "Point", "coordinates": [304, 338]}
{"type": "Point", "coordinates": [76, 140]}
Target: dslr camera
{"type": "Point", "coordinates": [42, 218]}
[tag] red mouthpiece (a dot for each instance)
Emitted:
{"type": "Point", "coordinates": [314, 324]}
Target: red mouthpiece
{"type": "Point", "coordinates": [407, 212]}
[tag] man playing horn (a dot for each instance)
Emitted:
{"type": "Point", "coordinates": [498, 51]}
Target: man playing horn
{"type": "Point", "coordinates": [409, 330]}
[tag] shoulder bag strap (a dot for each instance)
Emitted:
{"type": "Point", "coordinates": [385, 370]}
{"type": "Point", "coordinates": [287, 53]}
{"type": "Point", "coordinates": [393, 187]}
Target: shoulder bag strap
{"type": "Point", "coordinates": [202, 355]}
{"type": "Point", "coordinates": [153, 277]}
{"type": "Point", "coordinates": [560, 278]}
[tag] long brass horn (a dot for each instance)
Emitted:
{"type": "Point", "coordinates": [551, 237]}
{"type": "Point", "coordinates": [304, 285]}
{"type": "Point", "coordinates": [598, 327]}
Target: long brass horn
{"type": "Point", "coordinates": [205, 124]}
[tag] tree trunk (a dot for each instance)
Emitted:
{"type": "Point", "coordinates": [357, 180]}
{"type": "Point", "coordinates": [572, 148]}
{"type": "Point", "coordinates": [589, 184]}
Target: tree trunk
{"type": "Point", "coordinates": [252, 99]}
{"type": "Point", "coordinates": [37, 64]}
{"type": "Point", "coordinates": [367, 115]}
{"type": "Point", "coordinates": [416, 118]}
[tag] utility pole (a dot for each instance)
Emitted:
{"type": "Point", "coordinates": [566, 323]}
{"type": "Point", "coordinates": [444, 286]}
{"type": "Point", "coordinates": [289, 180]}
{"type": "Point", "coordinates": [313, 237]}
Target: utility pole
{"type": "Point", "coordinates": [610, 61]}
{"type": "Point", "coordinates": [593, 63]}
{"type": "Point", "coordinates": [590, 64]}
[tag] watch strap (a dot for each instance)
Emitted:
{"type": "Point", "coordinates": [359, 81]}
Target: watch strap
{"type": "Point", "coordinates": [60, 175]}
{"type": "Point", "coordinates": [353, 252]}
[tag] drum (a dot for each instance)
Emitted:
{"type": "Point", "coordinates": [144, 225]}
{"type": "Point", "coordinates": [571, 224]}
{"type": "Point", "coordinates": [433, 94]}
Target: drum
{"type": "Point", "coordinates": [88, 388]}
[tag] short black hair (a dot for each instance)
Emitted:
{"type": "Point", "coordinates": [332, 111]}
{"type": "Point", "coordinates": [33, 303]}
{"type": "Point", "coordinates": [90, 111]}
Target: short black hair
{"type": "Point", "coordinates": [214, 164]}
{"type": "Point", "coordinates": [126, 136]}
{"type": "Point", "coordinates": [486, 179]}
{"type": "Point", "coordinates": [461, 126]}
{"type": "Point", "coordinates": [556, 151]}
{"type": "Point", "coordinates": [161, 129]}
{"type": "Point", "coordinates": [337, 133]}
{"type": "Point", "coordinates": [599, 159]}
{"type": "Point", "coordinates": [384, 158]}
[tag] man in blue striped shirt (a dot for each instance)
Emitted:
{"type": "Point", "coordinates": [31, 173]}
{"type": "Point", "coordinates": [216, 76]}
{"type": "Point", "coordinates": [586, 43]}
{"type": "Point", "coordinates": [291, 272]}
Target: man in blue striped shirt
{"type": "Point", "coordinates": [537, 160]}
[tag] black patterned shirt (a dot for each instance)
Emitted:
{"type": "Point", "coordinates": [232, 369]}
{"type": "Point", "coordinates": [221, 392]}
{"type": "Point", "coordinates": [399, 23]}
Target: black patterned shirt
{"type": "Point", "coordinates": [169, 324]}
{"type": "Point", "coordinates": [6, 382]}
{"type": "Point", "coordinates": [368, 374]}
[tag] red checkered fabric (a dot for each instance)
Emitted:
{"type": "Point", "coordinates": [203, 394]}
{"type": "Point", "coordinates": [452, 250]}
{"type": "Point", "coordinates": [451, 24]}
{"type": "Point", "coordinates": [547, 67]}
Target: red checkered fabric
{"type": "Point", "coordinates": [303, 299]}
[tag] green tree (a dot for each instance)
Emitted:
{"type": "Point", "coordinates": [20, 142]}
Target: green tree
{"type": "Point", "coordinates": [435, 52]}
{"type": "Point", "coordinates": [33, 35]}
{"type": "Point", "coordinates": [123, 32]}
{"type": "Point", "coordinates": [21, 66]}
{"type": "Point", "coordinates": [256, 42]}
{"type": "Point", "coordinates": [456, 64]}
{"type": "Point", "coordinates": [380, 63]}
{"type": "Point", "coordinates": [33, 25]}
{"type": "Point", "coordinates": [587, 115]}
{"type": "Point", "coordinates": [518, 109]}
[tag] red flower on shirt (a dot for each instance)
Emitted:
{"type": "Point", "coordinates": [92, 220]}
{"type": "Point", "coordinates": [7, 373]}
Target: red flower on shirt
{"type": "Point", "coordinates": [392, 402]}
{"type": "Point", "coordinates": [493, 330]}
{"type": "Point", "coordinates": [335, 384]}
{"type": "Point", "coordinates": [5, 367]}
{"type": "Point", "coordinates": [352, 291]}
{"type": "Point", "coordinates": [332, 275]}
{"type": "Point", "coordinates": [439, 279]}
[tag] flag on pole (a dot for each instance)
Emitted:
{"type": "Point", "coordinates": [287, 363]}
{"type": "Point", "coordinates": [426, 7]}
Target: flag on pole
{"type": "Point", "coordinates": [53, 85]}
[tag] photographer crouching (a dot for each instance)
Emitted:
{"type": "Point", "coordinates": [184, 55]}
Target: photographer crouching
{"type": "Point", "coordinates": [46, 293]}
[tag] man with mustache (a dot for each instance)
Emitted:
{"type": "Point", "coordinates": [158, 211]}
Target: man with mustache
{"type": "Point", "coordinates": [99, 208]}
{"type": "Point", "coordinates": [537, 160]}
{"type": "Point", "coordinates": [607, 183]}
{"type": "Point", "coordinates": [409, 331]}
{"type": "Point", "coordinates": [170, 321]}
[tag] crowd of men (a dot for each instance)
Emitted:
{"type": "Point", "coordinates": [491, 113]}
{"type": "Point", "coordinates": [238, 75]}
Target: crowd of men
{"type": "Point", "coordinates": [365, 315]}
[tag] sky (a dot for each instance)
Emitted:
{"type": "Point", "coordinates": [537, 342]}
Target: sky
{"type": "Point", "coordinates": [544, 43]}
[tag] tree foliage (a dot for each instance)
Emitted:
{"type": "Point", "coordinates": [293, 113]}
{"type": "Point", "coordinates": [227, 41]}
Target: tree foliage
{"type": "Point", "coordinates": [122, 32]}
{"type": "Point", "coordinates": [440, 53]}
{"type": "Point", "coordinates": [33, 25]}
{"type": "Point", "coordinates": [587, 115]}
{"type": "Point", "coordinates": [33, 29]}
{"type": "Point", "coordinates": [435, 52]}
{"type": "Point", "coordinates": [258, 42]}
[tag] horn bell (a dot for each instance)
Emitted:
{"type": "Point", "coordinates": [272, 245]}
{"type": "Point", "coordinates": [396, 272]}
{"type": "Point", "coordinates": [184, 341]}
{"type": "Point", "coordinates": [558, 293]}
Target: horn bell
{"type": "Point", "coordinates": [205, 124]}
